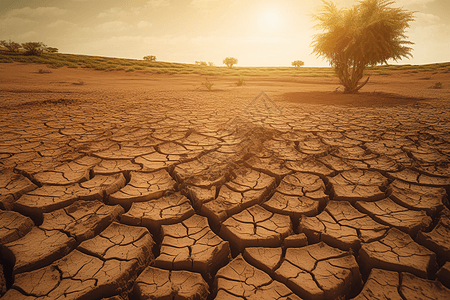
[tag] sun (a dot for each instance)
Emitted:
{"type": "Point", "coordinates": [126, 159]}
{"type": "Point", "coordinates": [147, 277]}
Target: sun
{"type": "Point", "coordinates": [269, 21]}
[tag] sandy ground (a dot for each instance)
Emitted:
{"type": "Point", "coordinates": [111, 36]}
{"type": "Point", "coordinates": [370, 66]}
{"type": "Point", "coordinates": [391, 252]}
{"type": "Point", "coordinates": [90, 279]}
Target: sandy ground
{"type": "Point", "coordinates": [22, 83]}
{"type": "Point", "coordinates": [138, 185]}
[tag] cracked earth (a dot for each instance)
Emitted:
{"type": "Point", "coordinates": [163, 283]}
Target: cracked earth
{"type": "Point", "coordinates": [144, 186]}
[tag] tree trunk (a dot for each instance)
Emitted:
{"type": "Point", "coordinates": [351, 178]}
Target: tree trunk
{"type": "Point", "coordinates": [350, 73]}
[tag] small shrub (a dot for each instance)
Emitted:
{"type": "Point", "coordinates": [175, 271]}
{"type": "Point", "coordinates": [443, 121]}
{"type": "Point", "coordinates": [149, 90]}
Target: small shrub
{"type": "Point", "coordinates": [211, 73]}
{"type": "Point", "coordinates": [130, 70]}
{"type": "Point", "coordinates": [80, 82]}
{"type": "Point", "coordinates": [208, 84]}
{"type": "Point", "coordinates": [437, 86]}
{"type": "Point", "coordinates": [33, 48]}
{"type": "Point", "coordinates": [240, 81]}
{"type": "Point", "coordinates": [43, 71]}
{"type": "Point", "coordinates": [6, 60]}
{"type": "Point", "coordinates": [101, 67]}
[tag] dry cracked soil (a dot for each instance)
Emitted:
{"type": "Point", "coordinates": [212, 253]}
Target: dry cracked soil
{"type": "Point", "coordinates": [122, 186]}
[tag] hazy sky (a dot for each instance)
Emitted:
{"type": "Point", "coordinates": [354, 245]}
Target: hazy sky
{"type": "Point", "coordinates": [256, 32]}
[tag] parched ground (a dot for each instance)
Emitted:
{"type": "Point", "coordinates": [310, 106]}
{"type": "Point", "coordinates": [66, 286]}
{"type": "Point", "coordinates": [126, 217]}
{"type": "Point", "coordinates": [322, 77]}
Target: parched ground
{"type": "Point", "coordinates": [118, 185]}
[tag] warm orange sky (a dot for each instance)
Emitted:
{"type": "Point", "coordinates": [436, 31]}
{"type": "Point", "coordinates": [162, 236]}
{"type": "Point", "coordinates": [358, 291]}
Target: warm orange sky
{"type": "Point", "coordinates": [256, 32]}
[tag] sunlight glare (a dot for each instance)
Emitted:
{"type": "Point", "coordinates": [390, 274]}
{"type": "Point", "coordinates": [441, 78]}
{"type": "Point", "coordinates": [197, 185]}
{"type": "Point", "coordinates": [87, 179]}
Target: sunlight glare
{"type": "Point", "coordinates": [269, 21]}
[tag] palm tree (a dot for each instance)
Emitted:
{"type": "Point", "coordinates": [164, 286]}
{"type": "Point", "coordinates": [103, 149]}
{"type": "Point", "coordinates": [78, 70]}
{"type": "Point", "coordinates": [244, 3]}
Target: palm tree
{"type": "Point", "coordinates": [367, 34]}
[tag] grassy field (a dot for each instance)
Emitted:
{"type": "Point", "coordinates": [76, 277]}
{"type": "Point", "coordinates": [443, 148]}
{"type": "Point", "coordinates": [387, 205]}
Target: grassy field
{"type": "Point", "coordinates": [56, 60]}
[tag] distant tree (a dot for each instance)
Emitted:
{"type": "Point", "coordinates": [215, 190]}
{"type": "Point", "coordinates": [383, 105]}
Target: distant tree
{"type": "Point", "coordinates": [11, 46]}
{"type": "Point", "coordinates": [52, 50]}
{"type": "Point", "coordinates": [297, 63]}
{"type": "Point", "coordinates": [367, 34]}
{"type": "Point", "coordinates": [150, 58]}
{"type": "Point", "coordinates": [33, 48]}
{"type": "Point", "coordinates": [201, 63]}
{"type": "Point", "coordinates": [211, 64]}
{"type": "Point", "coordinates": [230, 61]}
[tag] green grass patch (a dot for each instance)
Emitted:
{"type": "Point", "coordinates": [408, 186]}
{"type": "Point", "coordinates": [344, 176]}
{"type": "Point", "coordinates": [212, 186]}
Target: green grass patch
{"type": "Point", "coordinates": [413, 68]}
{"type": "Point", "coordinates": [58, 60]}
{"type": "Point", "coordinates": [6, 60]}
